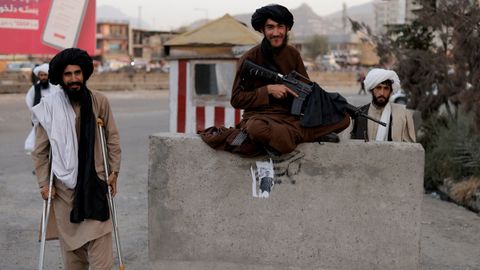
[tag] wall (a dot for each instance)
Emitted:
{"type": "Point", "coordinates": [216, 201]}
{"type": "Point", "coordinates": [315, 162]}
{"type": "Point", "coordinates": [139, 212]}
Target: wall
{"type": "Point", "coordinates": [331, 81]}
{"type": "Point", "coordinates": [17, 82]}
{"type": "Point", "coordinates": [352, 205]}
{"type": "Point", "coordinates": [20, 82]}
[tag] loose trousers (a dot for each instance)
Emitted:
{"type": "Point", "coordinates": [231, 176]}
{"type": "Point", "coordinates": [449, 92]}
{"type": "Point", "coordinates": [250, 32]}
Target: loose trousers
{"type": "Point", "coordinates": [96, 254]}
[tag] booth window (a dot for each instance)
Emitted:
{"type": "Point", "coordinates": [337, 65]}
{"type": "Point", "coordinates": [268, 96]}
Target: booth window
{"type": "Point", "coordinates": [214, 78]}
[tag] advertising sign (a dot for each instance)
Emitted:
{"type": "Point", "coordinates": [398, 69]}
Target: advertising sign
{"type": "Point", "coordinates": [46, 26]}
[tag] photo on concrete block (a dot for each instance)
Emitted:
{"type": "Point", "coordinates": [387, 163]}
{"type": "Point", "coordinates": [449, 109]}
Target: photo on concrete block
{"type": "Point", "coordinates": [262, 179]}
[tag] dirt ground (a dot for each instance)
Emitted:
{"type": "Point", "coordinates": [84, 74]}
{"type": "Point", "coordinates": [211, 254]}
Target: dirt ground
{"type": "Point", "coordinates": [450, 237]}
{"type": "Point", "coordinates": [450, 234]}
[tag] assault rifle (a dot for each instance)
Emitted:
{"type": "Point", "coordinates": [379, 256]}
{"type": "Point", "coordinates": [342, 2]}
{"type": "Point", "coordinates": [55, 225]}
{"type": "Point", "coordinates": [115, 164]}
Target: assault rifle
{"type": "Point", "coordinates": [299, 84]}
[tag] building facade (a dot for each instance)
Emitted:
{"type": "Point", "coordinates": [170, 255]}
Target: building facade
{"type": "Point", "coordinates": [394, 12]}
{"type": "Point", "coordinates": [112, 40]}
{"type": "Point", "coordinates": [147, 45]}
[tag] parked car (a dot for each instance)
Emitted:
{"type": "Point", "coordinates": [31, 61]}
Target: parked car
{"type": "Point", "coordinates": [20, 67]}
{"type": "Point", "coordinates": [400, 97]}
{"type": "Point", "coordinates": [327, 62]}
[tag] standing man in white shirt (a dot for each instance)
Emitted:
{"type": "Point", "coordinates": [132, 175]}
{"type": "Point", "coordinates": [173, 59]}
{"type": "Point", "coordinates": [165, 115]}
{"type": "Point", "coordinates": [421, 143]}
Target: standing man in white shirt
{"type": "Point", "coordinates": [40, 89]}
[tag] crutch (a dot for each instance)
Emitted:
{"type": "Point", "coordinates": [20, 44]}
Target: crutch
{"type": "Point", "coordinates": [113, 212]}
{"type": "Point", "coordinates": [45, 214]}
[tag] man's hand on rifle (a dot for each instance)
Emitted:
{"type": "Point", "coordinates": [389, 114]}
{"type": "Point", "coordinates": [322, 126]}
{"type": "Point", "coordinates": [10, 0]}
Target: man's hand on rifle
{"type": "Point", "coordinates": [280, 91]}
{"type": "Point", "coordinates": [44, 192]}
{"type": "Point", "coordinates": [112, 183]}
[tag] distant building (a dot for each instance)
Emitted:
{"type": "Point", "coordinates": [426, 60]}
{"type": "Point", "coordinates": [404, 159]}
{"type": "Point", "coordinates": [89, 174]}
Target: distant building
{"type": "Point", "coordinates": [343, 42]}
{"type": "Point", "coordinates": [112, 40]}
{"type": "Point", "coordinates": [351, 49]}
{"type": "Point", "coordinates": [394, 12]}
{"type": "Point", "coordinates": [147, 45]}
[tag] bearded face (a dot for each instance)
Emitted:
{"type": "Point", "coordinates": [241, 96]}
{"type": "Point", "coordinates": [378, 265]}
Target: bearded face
{"type": "Point", "coordinates": [381, 94]}
{"type": "Point", "coordinates": [275, 33]}
{"type": "Point", "coordinates": [43, 80]}
{"type": "Point", "coordinates": [73, 83]}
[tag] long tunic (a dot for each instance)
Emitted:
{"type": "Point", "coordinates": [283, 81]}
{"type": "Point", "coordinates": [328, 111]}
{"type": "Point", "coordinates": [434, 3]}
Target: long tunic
{"type": "Point", "coordinates": [267, 120]}
{"type": "Point", "coordinates": [75, 235]}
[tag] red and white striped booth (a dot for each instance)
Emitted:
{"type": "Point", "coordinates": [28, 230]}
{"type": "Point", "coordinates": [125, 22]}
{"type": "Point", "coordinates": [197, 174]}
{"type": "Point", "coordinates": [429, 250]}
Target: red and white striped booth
{"type": "Point", "coordinates": [193, 109]}
{"type": "Point", "coordinates": [202, 68]}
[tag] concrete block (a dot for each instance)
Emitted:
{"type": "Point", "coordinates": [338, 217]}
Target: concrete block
{"type": "Point", "coordinates": [351, 205]}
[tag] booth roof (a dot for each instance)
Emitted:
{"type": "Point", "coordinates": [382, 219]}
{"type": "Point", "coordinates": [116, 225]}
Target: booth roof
{"type": "Point", "coordinates": [225, 30]}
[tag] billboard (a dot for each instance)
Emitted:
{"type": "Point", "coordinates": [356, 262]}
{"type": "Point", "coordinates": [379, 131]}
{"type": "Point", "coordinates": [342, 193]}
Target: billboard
{"type": "Point", "coordinates": [46, 26]}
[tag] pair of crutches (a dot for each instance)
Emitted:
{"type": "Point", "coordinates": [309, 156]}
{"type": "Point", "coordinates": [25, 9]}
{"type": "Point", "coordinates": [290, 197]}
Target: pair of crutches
{"type": "Point", "coordinates": [111, 202]}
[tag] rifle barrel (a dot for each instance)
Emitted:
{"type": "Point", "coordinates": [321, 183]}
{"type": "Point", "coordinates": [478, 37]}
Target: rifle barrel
{"type": "Point", "coordinates": [355, 112]}
{"type": "Point", "coordinates": [373, 119]}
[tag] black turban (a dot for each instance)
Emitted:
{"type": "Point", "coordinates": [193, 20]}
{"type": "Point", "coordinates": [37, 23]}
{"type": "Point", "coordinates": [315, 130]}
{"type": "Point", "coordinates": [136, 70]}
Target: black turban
{"type": "Point", "coordinates": [278, 13]}
{"type": "Point", "coordinates": [71, 56]}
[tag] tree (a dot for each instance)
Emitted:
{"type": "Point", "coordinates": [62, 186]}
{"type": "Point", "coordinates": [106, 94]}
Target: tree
{"type": "Point", "coordinates": [316, 45]}
{"type": "Point", "coordinates": [437, 58]}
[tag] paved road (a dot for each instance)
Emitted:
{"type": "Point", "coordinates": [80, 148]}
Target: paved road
{"type": "Point", "coordinates": [450, 238]}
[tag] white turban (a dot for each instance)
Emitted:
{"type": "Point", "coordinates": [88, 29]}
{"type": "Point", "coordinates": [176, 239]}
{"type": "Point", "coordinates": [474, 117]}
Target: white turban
{"type": "Point", "coordinates": [378, 75]}
{"type": "Point", "coordinates": [41, 68]}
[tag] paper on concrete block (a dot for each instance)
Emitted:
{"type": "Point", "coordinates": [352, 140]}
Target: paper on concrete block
{"type": "Point", "coordinates": [263, 175]}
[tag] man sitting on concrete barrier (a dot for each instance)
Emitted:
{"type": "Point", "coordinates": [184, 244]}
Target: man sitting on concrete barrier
{"type": "Point", "coordinates": [381, 83]}
{"type": "Point", "coordinates": [267, 124]}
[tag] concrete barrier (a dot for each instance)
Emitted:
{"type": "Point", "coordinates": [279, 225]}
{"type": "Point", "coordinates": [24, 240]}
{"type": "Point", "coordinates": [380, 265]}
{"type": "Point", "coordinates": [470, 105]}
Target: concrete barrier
{"type": "Point", "coordinates": [352, 205]}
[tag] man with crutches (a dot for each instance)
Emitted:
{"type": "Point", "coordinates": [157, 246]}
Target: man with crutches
{"type": "Point", "coordinates": [79, 193]}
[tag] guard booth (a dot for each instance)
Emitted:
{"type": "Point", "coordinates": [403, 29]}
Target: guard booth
{"type": "Point", "coordinates": [202, 69]}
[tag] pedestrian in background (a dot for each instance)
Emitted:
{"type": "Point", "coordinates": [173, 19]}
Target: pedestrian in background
{"type": "Point", "coordinates": [40, 88]}
{"type": "Point", "coordinates": [382, 83]}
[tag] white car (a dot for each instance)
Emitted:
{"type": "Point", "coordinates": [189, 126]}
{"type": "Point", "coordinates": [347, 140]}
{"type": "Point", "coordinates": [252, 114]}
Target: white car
{"type": "Point", "coordinates": [400, 97]}
{"type": "Point", "coordinates": [20, 66]}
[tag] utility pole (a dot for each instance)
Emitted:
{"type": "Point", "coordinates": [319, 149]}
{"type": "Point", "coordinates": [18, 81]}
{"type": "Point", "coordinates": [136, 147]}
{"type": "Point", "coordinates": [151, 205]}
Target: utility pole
{"type": "Point", "coordinates": [139, 19]}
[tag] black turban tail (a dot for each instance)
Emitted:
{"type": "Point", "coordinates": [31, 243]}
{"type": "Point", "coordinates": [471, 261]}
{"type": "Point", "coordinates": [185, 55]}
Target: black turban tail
{"type": "Point", "coordinates": [278, 13]}
{"type": "Point", "coordinates": [71, 56]}
{"type": "Point", "coordinates": [90, 197]}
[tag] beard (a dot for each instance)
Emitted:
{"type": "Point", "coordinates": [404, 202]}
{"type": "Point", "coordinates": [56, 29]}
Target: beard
{"type": "Point", "coordinates": [74, 95]}
{"type": "Point", "coordinates": [44, 84]}
{"type": "Point", "coordinates": [380, 102]}
{"type": "Point", "coordinates": [274, 50]}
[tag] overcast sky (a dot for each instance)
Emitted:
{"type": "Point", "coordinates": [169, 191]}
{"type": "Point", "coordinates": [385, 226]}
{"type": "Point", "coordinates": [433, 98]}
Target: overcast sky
{"type": "Point", "coordinates": [167, 15]}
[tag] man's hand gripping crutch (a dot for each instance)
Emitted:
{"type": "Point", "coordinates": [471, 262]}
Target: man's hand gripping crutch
{"type": "Point", "coordinates": [112, 190]}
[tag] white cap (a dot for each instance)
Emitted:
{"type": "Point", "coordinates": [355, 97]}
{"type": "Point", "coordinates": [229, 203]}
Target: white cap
{"type": "Point", "coordinates": [41, 68]}
{"type": "Point", "coordinates": [378, 75]}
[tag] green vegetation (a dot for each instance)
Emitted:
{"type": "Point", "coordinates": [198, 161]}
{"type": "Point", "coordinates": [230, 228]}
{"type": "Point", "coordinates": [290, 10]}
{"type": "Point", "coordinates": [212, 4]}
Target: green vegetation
{"type": "Point", "coordinates": [451, 149]}
{"type": "Point", "coordinates": [437, 58]}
